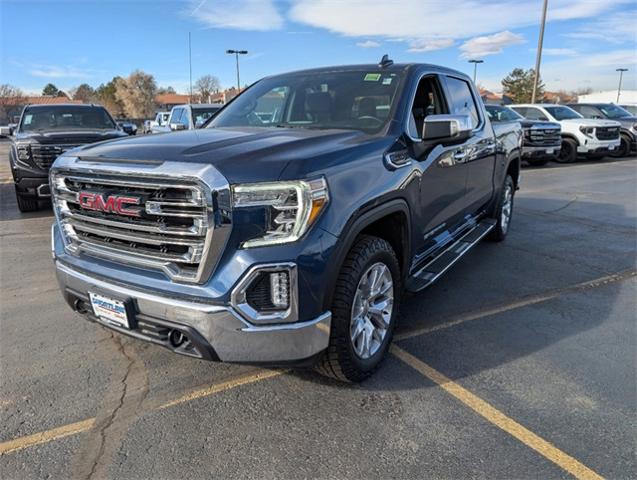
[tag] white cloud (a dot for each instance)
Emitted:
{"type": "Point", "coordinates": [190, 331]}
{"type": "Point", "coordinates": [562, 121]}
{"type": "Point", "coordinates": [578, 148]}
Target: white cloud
{"type": "Point", "coordinates": [258, 15]}
{"type": "Point", "coordinates": [55, 71]}
{"type": "Point", "coordinates": [611, 29]}
{"type": "Point", "coordinates": [489, 44]}
{"type": "Point", "coordinates": [415, 19]}
{"type": "Point", "coordinates": [429, 45]}
{"type": "Point", "coordinates": [558, 52]}
{"type": "Point", "coordinates": [368, 44]}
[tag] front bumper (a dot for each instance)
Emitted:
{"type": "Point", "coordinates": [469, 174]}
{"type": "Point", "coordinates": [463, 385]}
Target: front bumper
{"type": "Point", "coordinates": [215, 332]}
{"type": "Point", "coordinates": [544, 151]}
{"type": "Point", "coordinates": [594, 146]}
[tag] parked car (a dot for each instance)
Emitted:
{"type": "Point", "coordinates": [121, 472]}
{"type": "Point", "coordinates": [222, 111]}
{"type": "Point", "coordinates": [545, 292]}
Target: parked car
{"type": "Point", "coordinates": [127, 126]}
{"type": "Point", "coordinates": [610, 111]}
{"type": "Point", "coordinates": [287, 241]}
{"type": "Point", "coordinates": [43, 133]}
{"type": "Point", "coordinates": [632, 109]}
{"type": "Point", "coordinates": [161, 120]}
{"type": "Point", "coordinates": [542, 140]}
{"type": "Point", "coordinates": [189, 117]}
{"type": "Point", "coordinates": [580, 136]}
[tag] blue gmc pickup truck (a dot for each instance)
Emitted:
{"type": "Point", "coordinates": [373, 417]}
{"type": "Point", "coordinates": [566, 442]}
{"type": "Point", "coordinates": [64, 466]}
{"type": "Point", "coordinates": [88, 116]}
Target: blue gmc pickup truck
{"type": "Point", "coordinates": [286, 230]}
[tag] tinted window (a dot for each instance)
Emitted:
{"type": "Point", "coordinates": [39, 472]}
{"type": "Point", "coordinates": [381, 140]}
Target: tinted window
{"type": "Point", "coordinates": [613, 111]}
{"type": "Point", "coordinates": [461, 101]}
{"type": "Point", "coordinates": [66, 117]}
{"type": "Point", "coordinates": [562, 113]}
{"type": "Point", "coordinates": [176, 115]}
{"type": "Point", "coordinates": [531, 113]}
{"type": "Point", "coordinates": [356, 100]}
{"type": "Point", "coordinates": [200, 115]}
{"type": "Point", "coordinates": [587, 112]}
{"type": "Point", "coordinates": [498, 113]}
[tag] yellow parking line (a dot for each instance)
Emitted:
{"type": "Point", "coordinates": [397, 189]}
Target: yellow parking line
{"type": "Point", "coordinates": [499, 419]}
{"type": "Point", "coordinates": [221, 387]}
{"type": "Point", "coordinates": [79, 427]}
{"type": "Point", "coordinates": [47, 436]}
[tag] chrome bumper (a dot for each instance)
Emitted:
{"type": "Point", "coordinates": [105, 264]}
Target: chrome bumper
{"type": "Point", "coordinates": [229, 336]}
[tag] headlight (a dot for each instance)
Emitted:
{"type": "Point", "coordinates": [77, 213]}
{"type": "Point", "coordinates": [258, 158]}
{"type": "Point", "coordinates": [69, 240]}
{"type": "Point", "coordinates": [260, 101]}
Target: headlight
{"type": "Point", "coordinates": [588, 131]}
{"type": "Point", "coordinates": [24, 151]}
{"type": "Point", "coordinates": [290, 208]}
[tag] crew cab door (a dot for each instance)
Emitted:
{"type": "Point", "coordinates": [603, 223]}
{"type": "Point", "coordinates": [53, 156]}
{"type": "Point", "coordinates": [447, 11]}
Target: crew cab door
{"type": "Point", "coordinates": [444, 176]}
{"type": "Point", "coordinates": [478, 153]}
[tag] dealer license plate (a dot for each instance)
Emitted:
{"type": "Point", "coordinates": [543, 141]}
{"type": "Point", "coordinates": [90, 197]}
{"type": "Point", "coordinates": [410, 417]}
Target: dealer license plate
{"type": "Point", "coordinates": [110, 310]}
{"type": "Point", "coordinates": [550, 150]}
{"type": "Point", "coordinates": [611, 147]}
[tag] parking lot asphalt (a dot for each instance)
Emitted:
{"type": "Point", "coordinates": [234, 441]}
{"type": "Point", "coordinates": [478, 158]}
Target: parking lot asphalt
{"type": "Point", "coordinates": [518, 363]}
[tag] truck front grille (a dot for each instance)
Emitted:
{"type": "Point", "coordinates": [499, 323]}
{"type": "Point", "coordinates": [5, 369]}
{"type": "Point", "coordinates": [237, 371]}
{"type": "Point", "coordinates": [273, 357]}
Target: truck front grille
{"type": "Point", "coordinates": [607, 133]}
{"type": "Point", "coordinates": [543, 137]}
{"type": "Point", "coordinates": [154, 223]}
{"type": "Point", "coordinates": [44, 155]}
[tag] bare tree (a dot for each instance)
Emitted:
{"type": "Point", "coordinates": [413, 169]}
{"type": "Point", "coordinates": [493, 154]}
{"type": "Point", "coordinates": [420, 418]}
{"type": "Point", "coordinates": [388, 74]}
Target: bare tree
{"type": "Point", "coordinates": [206, 86]}
{"type": "Point", "coordinates": [11, 100]}
{"type": "Point", "coordinates": [137, 94]}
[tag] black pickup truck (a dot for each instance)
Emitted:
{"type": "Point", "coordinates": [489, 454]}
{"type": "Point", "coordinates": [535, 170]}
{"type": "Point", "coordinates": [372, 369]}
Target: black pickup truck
{"type": "Point", "coordinates": [286, 230]}
{"type": "Point", "coordinates": [46, 131]}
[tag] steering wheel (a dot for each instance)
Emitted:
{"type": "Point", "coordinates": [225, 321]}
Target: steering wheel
{"type": "Point", "coordinates": [366, 118]}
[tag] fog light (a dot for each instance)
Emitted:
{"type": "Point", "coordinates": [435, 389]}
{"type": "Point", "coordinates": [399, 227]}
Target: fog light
{"type": "Point", "coordinates": [280, 289]}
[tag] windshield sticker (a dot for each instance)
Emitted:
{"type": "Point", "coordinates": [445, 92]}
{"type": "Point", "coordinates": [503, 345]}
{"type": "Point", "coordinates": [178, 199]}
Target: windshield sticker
{"type": "Point", "coordinates": [372, 77]}
{"type": "Point", "coordinates": [387, 81]}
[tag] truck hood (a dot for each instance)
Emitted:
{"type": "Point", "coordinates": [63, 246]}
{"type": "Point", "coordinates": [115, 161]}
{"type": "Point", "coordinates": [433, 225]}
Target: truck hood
{"type": "Point", "coordinates": [69, 137]}
{"type": "Point", "coordinates": [591, 122]}
{"type": "Point", "coordinates": [240, 154]}
{"type": "Point", "coordinates": [538, 124]}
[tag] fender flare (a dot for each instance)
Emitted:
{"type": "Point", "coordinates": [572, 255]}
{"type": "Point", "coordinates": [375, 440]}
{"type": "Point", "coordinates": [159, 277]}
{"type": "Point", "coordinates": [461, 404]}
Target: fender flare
{"type": "Point", "coordinates": [355, 225]}
{"type": "Point", "coordinates": [571, 136]}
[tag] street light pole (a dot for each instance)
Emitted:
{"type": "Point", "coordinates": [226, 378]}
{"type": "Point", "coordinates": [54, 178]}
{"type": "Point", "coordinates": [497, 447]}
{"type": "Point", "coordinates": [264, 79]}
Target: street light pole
{"type": "Point", "coordinates": [538, 57]}
{"type": "Point", "coordinates": [236, 54]}
{"type": "Point", "coordinates": [475, 68]}
{"type": "Point", "coordinates": [619, 87]}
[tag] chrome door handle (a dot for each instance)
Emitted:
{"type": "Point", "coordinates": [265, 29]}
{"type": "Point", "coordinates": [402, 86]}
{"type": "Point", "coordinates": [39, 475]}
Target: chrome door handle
{"type": "Point", "coordinates": [460, 155]}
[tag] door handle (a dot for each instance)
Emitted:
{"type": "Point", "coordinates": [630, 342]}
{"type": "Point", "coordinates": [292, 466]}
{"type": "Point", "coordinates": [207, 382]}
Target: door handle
{"type": "Point", "coordinates": [460, 155]}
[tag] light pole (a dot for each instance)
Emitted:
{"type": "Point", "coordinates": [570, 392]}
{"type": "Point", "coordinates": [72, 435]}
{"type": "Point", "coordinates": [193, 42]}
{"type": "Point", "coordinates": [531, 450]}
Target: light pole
{"type": "Point", "coordinates": [619, 87]}
{"type": "Point", "coordinates": [475, 68]}
{"type": "Point", "coordinates": [236, 54]}
{"type": "Point", "coordinates": [538, 57]}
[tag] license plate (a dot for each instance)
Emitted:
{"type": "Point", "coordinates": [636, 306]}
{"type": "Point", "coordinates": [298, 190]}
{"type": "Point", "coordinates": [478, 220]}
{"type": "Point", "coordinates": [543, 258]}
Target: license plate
{"type": "Point", "coordinates": [110, 310]}
{"type": "Point", "coordinates": [550, 150]}
{"type": "Point", "coordinates": [611, 147]}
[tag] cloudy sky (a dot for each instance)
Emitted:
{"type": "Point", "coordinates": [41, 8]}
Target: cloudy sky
{"type": "Point", "coordinates": [68, 42]}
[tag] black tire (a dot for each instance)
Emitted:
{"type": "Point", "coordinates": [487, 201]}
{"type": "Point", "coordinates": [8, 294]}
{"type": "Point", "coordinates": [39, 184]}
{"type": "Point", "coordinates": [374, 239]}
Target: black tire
{"type": "Point", "coordinates": [340, 361]}
{"type": "Point", "coordinates": [537, 162]}
{"type": "Point", "coordinates": [568, 152]}
{"type": "Point", "coordinates": [624, 147]}
{"type": "Point", "coordinates": [26, 205]}
{"type": "Point", "coordinates": [501, 229]}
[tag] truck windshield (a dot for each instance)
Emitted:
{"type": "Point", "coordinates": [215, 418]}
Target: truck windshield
{"type": "Point", "coordinates": [613, 111]}
{"type": "Point", "coordinates": [563, 113]}
{"type": "Point", "coordinates": [66, 117]}
{"type": "Point", "coordinates": [355, 100]}
{"type": "Point", "coordinates": [502, 114]}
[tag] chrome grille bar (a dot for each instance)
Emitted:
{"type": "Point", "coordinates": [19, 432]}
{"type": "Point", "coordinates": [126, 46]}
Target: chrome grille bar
{"type": "Point", "coordinates": [171, 227]}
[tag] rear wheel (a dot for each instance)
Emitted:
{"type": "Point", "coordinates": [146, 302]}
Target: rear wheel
{"type": "Point", "coordinates": [624, 147]}
{"type": "Point", "coordinates": [504, 211]}
{"type": "Point", "coordinates": [364, 311]}
{"type": "Point", "coordinates": [26, 204]}
{"type": "Point", "coordinates": [568, 152]}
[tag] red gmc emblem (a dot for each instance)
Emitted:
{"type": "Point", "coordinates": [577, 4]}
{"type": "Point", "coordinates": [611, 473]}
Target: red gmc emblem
{"type": "Point", "coordinates": [110, 204]}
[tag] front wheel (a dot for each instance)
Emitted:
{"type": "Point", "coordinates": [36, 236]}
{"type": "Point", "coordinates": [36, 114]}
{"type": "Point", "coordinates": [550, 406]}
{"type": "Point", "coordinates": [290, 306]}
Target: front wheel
{"type": "Point", "coordinates": [26, 204]}
{"type": "Point", "coordinates": [624, 148]}
{"type": "Point", "coordinates": [503, 211]}
{"type": "Point", "coordinates": [568, 152]}
{"type": "Point", "coordinates": [364, 310]}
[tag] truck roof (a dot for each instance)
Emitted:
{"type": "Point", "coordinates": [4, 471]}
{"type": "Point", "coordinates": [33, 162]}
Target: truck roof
{"type": "Point", "coordinates": [394, 67]}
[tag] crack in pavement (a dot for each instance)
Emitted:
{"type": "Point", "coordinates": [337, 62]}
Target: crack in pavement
{"type": "Point", "coordinates": [120, 409]}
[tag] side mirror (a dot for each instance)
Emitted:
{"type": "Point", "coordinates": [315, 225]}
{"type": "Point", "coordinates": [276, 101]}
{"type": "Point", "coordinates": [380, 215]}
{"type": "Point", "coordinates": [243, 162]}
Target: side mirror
{"type": "Point", "coordinates": [446, 127]}
{"type": "Point", "coordinates": [177, 126]}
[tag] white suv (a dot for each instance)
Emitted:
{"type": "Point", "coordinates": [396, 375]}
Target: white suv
{"type": "Point", "coordinates": [590, 137]}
